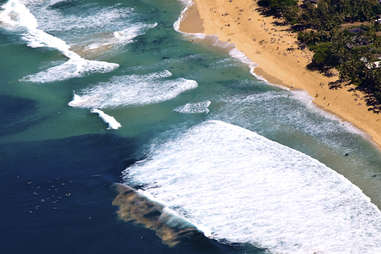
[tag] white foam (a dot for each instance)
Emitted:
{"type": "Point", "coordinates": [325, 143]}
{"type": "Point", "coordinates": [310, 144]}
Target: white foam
{"type": "Point", "coordinates": [194, 108]}
{"type": "Point", "coordinates": [245, 188]}
{"type": "Point", "coordinates": [306, 99]}
{"type": "Point", "coordinates": [94, 19]}
{"type": "Point", "coordinates": [237, 54]}
{"type": "Point", "coordinates": [118, 38]}
{"type": "Point", "coordinates": [91, 16]}
{"type": "Point", "coordinates": [286, 109]}
{"type": "Point", "coordinates": [132, 90]}
{"type": "Point", "coordinates": [15, 16]}
{"type": "Point", "coordinates": [73, 68]}
{"type": "Point", "coordinates": [97, 27]}
{"type": "Point", "coordinates": [110, 120]}
{"type": "Point", "coordinates": [129, 33]}
{"type": "Point", "coordinates": [187, 4]}
{"type": "Point", "coordinates": [234, 52]}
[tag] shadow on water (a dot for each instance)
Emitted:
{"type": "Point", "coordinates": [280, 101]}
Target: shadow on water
{"type": "Point", "coordinates": [57, 198]}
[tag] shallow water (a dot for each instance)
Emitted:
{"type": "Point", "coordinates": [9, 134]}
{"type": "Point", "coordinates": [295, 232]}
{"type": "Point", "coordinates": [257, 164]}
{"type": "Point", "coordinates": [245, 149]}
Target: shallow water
{"type": "Point", "coordinates": [165, 86]}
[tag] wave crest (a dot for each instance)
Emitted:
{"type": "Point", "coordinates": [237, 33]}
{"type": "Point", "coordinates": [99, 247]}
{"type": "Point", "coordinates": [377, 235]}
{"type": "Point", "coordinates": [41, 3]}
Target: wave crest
{"type": "Point", "coordinates": [109, 120]}
{"type": "Point", "coordinates": [132, 90]}
{"type": "Point", "coordinates": [15, 16]}
{"type": "Point", "coordinates": [244, 188]}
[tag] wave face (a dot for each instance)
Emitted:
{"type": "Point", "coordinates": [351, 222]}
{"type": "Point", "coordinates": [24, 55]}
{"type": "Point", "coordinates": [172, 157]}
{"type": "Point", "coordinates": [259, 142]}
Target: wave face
{"type": "Point", "coordinates": [194, 108]}
{"type": "Point", "coordinates": [243, 188]}
{"type": "Point", "coordinates": [17, 17]}
{"type": "Point", "coordinates": [109, 120]}
{"type": "Point", "coordinates": [132, 90]}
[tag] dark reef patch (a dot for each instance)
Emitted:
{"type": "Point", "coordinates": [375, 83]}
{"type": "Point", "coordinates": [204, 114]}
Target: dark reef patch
{"type": "Point", "coordinates": [57, 198]}
{"type": "Point", "coordinates": [137, 208]}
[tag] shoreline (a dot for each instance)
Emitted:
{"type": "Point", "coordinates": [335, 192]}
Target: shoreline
{"type": "Point", "coordinates": [270, 49]}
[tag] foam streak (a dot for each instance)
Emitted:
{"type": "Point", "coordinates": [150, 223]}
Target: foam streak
{"type": "Point", "coordinates": [17, 17]}
{"type": "Point", "coordinates": [132, 90]}
{"type": "Point", "coordinates": [244, 188]}
{"type": "Point", "coordinates": [110, 120]}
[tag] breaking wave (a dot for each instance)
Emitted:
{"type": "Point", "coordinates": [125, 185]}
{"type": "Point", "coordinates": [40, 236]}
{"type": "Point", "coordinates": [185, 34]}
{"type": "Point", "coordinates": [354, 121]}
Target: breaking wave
{"type": "Point", "coordinates": [132, 90]}
{"type": "Point", "coordinates": [15, 16]}
{"type": "Point", "coordinates": [109, 120]}
{"type": "Point", "coordinates": [241, 187]}
{"type": "Point", "coordinates": [73, 68]}
{"type": "Point", "coordinates": [93, 29]}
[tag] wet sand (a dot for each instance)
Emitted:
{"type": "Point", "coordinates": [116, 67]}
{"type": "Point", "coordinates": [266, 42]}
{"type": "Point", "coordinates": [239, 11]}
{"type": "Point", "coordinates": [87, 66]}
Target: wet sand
{"type": "Point", "coordinates": [274, 48]}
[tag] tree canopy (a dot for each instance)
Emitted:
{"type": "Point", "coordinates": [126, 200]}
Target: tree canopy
{"type": "Point", "coordinates": [343, 34]}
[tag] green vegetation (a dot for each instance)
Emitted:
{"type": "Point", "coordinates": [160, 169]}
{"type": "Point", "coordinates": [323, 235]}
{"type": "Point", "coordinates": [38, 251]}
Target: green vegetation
{"type": "Point", "coordinates": [343, 34]}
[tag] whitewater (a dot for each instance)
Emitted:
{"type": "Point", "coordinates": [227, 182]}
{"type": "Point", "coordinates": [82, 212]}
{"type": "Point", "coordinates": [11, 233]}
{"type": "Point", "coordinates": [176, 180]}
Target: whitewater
{"type": "Point", "coordinates": [185, 124]}
{"type": "Point", "coordinates": [109, 120]}
{"type": "Point", "coordinates": [15, 16]}
{"type": "Point", "coordinates": [245, 188]}
{"type": "Point", "coordinates": [131, 90]}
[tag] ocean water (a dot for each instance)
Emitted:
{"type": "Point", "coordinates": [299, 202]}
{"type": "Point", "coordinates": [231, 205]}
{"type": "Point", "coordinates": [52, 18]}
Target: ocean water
{"type": "Point", "coordinates": [99, 92]}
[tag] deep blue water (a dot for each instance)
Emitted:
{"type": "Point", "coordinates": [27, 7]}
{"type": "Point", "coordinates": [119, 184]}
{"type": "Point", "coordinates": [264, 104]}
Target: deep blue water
{"type": "Point", "coordinates": [57, 198]}
{"type": "Point", "coordinates": [59, 163]}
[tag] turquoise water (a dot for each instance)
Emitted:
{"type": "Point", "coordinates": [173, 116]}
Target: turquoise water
{"type": "Point", "coordinates": [160, 71]}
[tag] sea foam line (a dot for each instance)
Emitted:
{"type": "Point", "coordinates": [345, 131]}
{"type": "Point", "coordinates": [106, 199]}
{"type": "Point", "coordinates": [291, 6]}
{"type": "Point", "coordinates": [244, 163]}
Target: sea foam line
{"type": "Point", "coordinates": [233, 52]}
{"type": "Point", "coordinates": [176, 25]}
{"type": "Point", "coordinates": [109, 120]}
{"type": "Point", "coordinates": [245, 188]}
{"type": "Point", "coordinates": [305, 98]}
{"type": "Point", "coordinates": [16, 17]}
{"type": "Point", "coordinates": [131, 90]}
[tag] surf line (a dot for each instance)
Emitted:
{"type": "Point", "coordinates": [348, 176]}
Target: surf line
{"type": "Point", "coordinates": [213, 39]}
{"type": "Point", "coordinates": [109, 120]}
{"type": "Point", "coordinates": [16, 17]}
{"type": "Point", "coordinates": [233, 182]}
{"type": "Point", "coordinates": [235, 53]}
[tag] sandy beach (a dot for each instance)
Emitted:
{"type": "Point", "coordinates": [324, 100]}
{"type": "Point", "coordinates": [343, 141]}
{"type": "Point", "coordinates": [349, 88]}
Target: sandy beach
{"type": "Point", "coordinates": [274, 49]}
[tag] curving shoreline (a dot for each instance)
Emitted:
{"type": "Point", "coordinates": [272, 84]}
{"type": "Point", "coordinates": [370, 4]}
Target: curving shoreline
{"type": "Point", "coordinates": [277, 57]}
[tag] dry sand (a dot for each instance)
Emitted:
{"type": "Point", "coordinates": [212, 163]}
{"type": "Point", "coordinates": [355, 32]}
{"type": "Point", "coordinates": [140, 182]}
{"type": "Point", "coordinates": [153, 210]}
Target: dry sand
{"type": "Point", "coordinates": [279, 60]}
